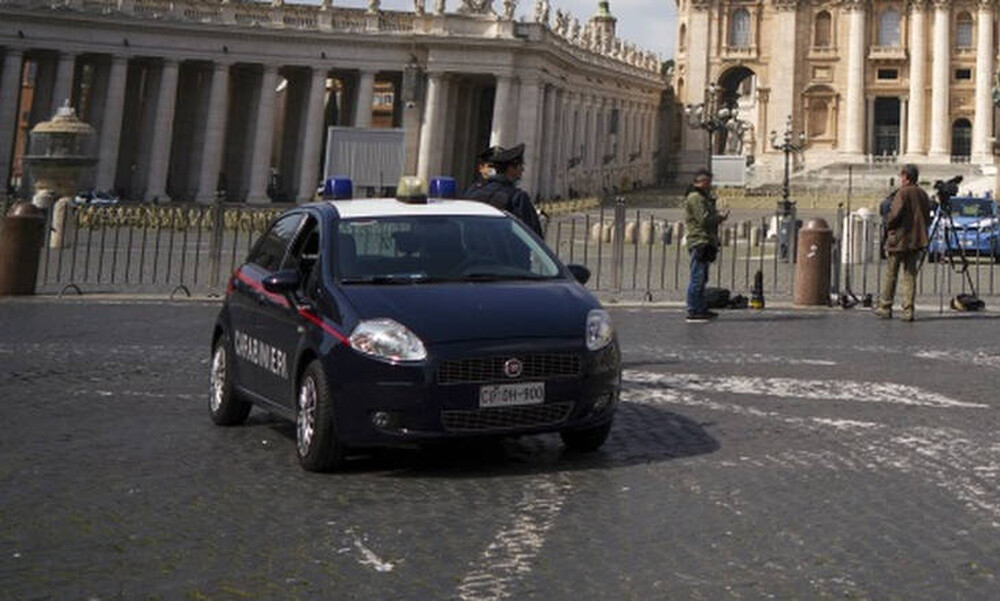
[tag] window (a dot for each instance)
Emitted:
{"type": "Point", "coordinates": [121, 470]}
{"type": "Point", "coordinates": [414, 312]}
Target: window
{"type": "Point", "coordinates": [682, 37]}
{"type": "Point", "coordinates": [270, 249]}
{"type": "Point", "coordinates": [739, 28]}
{"type": "Point", "coordinates": [963, 30]}
{"type": "Point", "coordinates": [888, 29]}
{"type": "Point", "coordinates": [823, 31]}
{"type": "Point", "coordinates": [304, 256]}
{"type": "Point", "coordinates": [963, 74]}
{"type": "Point", "coordinates": [888, 74]}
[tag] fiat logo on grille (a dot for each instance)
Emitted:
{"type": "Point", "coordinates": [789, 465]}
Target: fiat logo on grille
{"type": "Point", "coordinates": [512, 368]}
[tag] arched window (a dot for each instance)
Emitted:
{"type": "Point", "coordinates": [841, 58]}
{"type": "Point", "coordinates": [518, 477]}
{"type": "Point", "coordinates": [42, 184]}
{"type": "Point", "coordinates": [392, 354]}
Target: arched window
{"type": "Point", "coordinates": [823, 30]}
{"type": "Point", "coordinates": [682, 37]}
{"type": "Point", "coordinates": [739, 28]}
{"type": "Point", "coordinates": [963, 30]}
{"type": "Point", "coordinates": [680, 89]}
{"type": "Point", "coordinates": [888, 28]}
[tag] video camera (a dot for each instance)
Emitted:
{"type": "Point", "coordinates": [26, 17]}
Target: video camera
{"type": "Point", "coordinates": [946, 190]}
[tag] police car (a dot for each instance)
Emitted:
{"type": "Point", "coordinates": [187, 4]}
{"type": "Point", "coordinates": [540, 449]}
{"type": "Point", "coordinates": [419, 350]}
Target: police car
{"type": "Point", "coordinates": [400, 320]}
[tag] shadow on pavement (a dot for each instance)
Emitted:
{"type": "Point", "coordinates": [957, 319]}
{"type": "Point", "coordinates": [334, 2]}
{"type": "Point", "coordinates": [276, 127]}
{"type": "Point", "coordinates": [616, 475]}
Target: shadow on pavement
{"type": "Point", "coordinates": [641, 434]}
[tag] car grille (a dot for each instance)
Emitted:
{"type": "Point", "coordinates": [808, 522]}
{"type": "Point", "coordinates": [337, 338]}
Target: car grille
{"type": "Point", "coordinates": [503, 418]}
{"type": "Point", "coordinates": [488, 369]}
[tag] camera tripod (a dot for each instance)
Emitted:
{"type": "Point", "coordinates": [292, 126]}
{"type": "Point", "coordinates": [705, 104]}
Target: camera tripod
{"type": "Point", "coordinates": [961, 302]}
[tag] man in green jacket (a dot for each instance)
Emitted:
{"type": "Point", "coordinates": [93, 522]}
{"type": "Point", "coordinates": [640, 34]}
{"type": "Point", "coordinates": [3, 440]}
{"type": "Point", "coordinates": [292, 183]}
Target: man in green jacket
{"type": "Point", "coordinates": [906, 238]}
{"type": "Point", "coordinates": [701, 221]}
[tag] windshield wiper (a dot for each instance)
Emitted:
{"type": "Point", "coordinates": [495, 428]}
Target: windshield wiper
{"type": "Point", "coordinates": [496, 277]}
{"type": "Point", "coordinates": [387, 279]}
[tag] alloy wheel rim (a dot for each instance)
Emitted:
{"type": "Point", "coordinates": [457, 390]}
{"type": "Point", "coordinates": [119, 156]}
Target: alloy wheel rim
{"type": "Point", "coordinates": [218, 378]}
{"type": "Point", "coordinates": [306, 419]}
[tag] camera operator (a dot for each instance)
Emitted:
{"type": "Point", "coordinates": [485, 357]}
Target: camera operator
{"type": "Point", "coordinates": [906, 237]}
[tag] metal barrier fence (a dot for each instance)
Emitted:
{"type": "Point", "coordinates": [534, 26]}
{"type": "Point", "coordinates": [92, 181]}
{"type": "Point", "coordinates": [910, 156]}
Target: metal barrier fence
{"type": "Point", "coordinates": [189, 249]}
{"type": "Point", "coordinates": [148, 248]}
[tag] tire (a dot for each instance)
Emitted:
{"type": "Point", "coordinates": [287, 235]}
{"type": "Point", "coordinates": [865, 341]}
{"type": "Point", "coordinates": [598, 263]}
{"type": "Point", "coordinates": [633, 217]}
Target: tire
{"type": "Point", "coordinates": [316, 443]}
{"type": "Point", "coordinates": [224, 405]}
{"type": "Point", "coordinates": [587, 440]}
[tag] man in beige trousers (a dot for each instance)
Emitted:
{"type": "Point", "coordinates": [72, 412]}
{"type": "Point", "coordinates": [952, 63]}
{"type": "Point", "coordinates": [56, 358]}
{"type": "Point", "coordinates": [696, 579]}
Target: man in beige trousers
{"type": "Point", "coordinates": [906, 237]}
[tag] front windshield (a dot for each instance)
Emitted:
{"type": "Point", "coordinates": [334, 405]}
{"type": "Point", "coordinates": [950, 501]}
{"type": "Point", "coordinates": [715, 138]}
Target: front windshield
{"type": "Point", "coordinates": [435, 248]}
{"type": "Point", "coordinates": [972, 207]}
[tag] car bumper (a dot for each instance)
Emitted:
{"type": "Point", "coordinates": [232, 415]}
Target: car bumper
{"type": "Point", "coordinates": [377, 403]}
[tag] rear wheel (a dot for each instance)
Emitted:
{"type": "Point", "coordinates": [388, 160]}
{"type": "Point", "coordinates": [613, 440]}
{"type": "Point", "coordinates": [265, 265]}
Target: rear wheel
{"type": "Point", "coordinates": [315, 440]}
{"type": "Point", "coordinates": [586, 440]}
{"type": "Point", "coordinates": [224, 406]}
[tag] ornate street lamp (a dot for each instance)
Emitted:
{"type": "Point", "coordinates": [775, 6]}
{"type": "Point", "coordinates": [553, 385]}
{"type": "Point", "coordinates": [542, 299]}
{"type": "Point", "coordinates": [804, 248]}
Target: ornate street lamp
{"type": "Point", "coordinates": [788, 143]}
{"type": "Point", "coordinates": [709, 116]}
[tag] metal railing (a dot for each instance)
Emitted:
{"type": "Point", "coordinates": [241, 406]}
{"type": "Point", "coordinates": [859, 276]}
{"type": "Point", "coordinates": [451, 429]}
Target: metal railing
{"type": "Point", "coordinates": [192, 249]}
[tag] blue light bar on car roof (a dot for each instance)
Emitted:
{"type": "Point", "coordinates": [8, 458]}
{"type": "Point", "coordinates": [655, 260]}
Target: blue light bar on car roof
{"type": "Point", "coordinates": [442, 187]}
{"type": "Point", "coordinates": [338, 188]}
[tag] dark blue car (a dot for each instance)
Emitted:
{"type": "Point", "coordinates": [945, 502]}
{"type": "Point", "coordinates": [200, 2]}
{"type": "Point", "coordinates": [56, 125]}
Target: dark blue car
{"type": "Point", "coordinates": [974, 232]}
{"type": "Point", "coordinates": [378, 322]}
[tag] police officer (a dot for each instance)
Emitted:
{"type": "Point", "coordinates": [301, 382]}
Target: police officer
{"type": "Point", "coordinates": [484, 168]}
{"type": "Point", "coordinates": [501, 189]}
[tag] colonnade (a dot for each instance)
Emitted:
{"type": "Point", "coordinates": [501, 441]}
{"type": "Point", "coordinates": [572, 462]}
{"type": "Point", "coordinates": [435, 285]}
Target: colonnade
{"type": "Point", "coordinates": [917, 142]}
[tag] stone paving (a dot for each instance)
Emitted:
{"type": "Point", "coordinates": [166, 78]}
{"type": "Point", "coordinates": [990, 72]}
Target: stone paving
{"type": "Point", "coordinates": [780, 454]}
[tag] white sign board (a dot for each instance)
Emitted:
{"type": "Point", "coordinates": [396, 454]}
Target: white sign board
{"type": "Point", "coordinates": [369, 156]}
{"type": "Point", "coordinates": [729, 170]}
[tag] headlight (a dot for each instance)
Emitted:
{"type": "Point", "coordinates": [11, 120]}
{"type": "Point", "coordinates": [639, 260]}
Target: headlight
{"type": "Point", "coordinates": [599, 331]}
{"type": "Point", "coordinates": [387, 339]}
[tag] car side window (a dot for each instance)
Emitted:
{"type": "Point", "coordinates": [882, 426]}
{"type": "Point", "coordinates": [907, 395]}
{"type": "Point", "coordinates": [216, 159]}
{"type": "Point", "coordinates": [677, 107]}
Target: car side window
{"type": "Point", "coordinates": [304, 256]}
{"type": "Point", "coordinates": [270, 249]}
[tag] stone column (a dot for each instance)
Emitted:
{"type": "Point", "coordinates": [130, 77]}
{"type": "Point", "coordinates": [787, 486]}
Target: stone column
{"type": "Point", "coordinates": [163, 132]}
{"type": "Point", "coordinates": [915, 135]}
{"type": "Point", "coordinates": [783, 60]}
{"type": "Point", "coordinates": [854, 133]}
{"type": "Point", "coordinates": [111, 124]}
{"type": "Point", "coordinates": [215, 133]}
{"type": "Point", "coordinates": [550, 150]}
{"type": "Point", "coordinates": [363, 105]}
{"type": "Point", "coordinates": [500, 131]}
{"type": "Point", "coordinates": [312, 138]}
{"type": "Point", "coordinates": [10, 90]}
{"type": "Point", "coordinates": [63, 89]}
{"type": "Point", "coordinates": [430, 131]}
{"type": "Point", "coordinates": [940, 80]}
{"type": "Point", "coordinates": [263, 137]}
{"type": "Point", "coordinates": [982, 125]}
{"type": "Point", "coordinates": [529, 118]}
{"type": "Point", "coordinates": [698, 52]}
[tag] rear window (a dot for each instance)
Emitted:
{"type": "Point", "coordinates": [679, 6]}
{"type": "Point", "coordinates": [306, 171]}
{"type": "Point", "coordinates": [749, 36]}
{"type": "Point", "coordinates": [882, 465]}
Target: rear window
{"type": "Point", "coordinates": [439, 248]}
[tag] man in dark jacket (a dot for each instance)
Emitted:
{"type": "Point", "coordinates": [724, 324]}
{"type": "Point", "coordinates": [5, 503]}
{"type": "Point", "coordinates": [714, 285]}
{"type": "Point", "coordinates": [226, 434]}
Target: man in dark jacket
{"type": "Point", "coordinates": [701, 222]}
{"type": "Point", "coordinates": [906, 236]}
{"type": "Point", "coordinates": [502, 192]}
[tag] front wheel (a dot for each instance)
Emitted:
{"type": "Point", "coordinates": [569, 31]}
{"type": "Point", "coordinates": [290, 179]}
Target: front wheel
{"type": "Point", "coordinates": [586, 440]}
{"type": "Point", "coordinates": [224, 406]}
{"type": "Point", "coordinates": [315, 440]}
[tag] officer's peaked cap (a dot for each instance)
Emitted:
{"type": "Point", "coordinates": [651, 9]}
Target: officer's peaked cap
{"type": "Point", "coordinates": [490, 154]}
{"type": "Point", "coordinates": [510, 156]}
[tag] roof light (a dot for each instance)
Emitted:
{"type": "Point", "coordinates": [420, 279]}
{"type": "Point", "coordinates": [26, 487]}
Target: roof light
{"type": "Point", "coordinates": [338, 187]}
{"type": "Point", "coordinates": [411, 189]}
{"type": "Point", "coordinates": [442, 187]}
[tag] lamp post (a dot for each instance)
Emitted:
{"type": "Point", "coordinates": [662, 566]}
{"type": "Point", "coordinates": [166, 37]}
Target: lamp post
{"type": "Point", "coordinates": [788, 143]}
{"type": "Point", "coordinates": [709, 116]}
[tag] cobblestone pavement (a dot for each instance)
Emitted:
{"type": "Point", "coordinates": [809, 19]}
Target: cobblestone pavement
{"type": "Point", "coordinates": [788, 455]}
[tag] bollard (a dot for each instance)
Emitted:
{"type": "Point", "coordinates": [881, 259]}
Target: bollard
{"type": "Point", "coordinates": [630, 229]}
{"type": "Point", "coordinates": [812, 269]}
{"type": "Point", "coordinates": [22, 234]}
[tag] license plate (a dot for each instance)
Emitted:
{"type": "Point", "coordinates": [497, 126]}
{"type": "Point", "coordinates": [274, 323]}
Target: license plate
{"type": "Point", "coordinates": [508, 395]}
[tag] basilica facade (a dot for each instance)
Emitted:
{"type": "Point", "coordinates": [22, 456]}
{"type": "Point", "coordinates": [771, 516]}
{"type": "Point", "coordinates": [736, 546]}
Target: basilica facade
{"type": "Point", "coordinates": [861, 80]}
{"type": "Point", "coordinates": [190, 98]}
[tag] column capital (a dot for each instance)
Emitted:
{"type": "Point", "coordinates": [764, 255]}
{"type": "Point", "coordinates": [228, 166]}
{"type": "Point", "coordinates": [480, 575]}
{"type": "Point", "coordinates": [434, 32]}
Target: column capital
{"type": "Point", "coordinates": [916, 6]}
{"type": "Point", "coordinates": [221, 64]}
{"type": "Point", "coordinates": [941, 5]}
{"type": "Point", "coordinates": [785, 5]}
{"type": "Point", "coordinates": [8, 51]}
{"type": "Point", "coordinates": [854, 5]}
{"type": "Point", "coordinates": [986, 5]}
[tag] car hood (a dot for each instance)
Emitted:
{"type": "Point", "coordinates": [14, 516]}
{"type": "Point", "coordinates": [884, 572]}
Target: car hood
{"type": "Point", "coordinates": [974, 222]}
{"type": "Point", "coordinates": [479, 311]}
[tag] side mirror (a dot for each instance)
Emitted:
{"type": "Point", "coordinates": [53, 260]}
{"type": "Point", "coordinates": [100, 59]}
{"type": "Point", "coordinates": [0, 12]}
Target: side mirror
{"type": "Point", "coordinates": [282, 282]}
{"type": "Point", "coordinates": [581, 273]}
